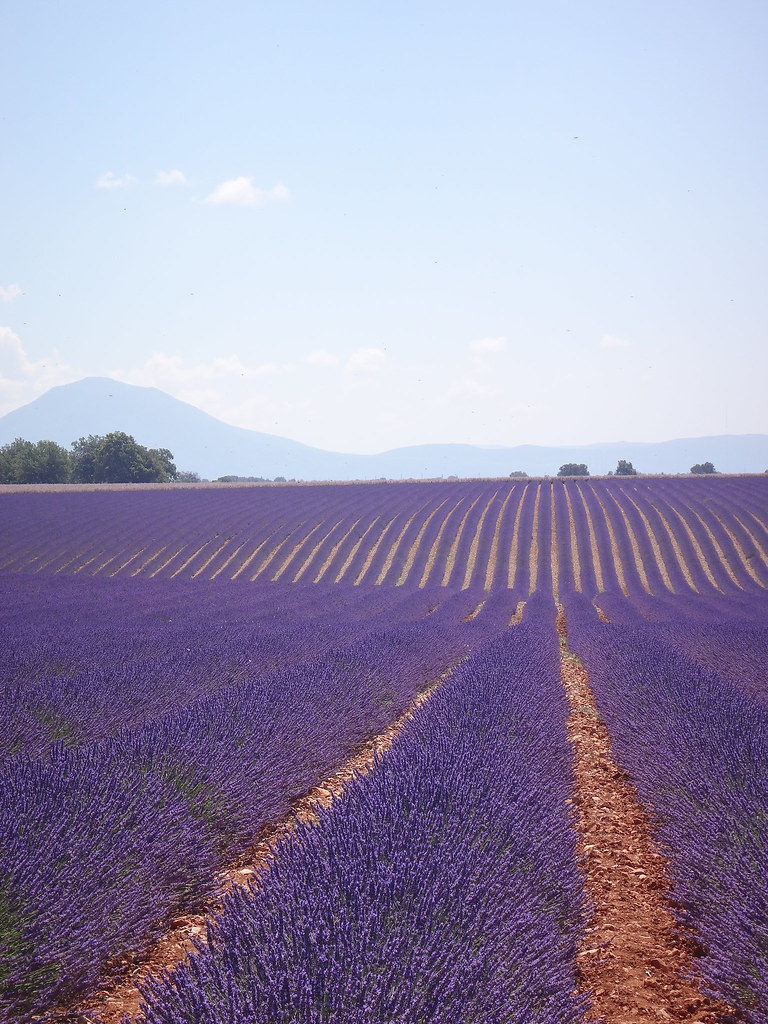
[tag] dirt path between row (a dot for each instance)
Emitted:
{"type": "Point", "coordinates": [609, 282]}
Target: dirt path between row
{"type": "Point", "coordinates": [121, 996]}
{"type": "Point", "coordinates": [634, 958]}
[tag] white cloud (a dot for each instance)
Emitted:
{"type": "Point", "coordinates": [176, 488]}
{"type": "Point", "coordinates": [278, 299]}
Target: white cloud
{"type": "Point", "coordinates": [242, 192]}
{"type": "Point", "coordinates": [11, 351]}
{"type": "Point", "coordinates": [259, 396]}
{"type": "Point", "coordinates": [173, 374]}
{"type": "Point", "coordinates": [23, 379]}
{"type": "Point", "coordinates": [485, 345]}
{"type": "Point", "coordinates": [322, 357]}
{"type": "Point", "coordinates": [612, 341]}
{"type": "Point", "coordinates": [111, 180]}
{"type": "Point", "coordinates": [366, 360]}
{"type": "Point", "coordinates": [13, 291]}
{"type": "Point", "coordinates": [175, 177]}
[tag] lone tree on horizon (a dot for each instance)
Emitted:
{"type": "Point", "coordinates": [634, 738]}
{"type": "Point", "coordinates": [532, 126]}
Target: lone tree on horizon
{"type": "Point", "coordinates": [573, 469]}
{"type": "Point", "coordinates": [703, 467]}
{"type": "Point", "coordinates": [625, 468]}
{"type": "Point", "coordinates": [117, 458]}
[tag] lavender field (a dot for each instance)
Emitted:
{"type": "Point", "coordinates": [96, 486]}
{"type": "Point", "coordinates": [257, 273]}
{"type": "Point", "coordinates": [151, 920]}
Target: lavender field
{"type": "Point", "coordinates": [179, 667]}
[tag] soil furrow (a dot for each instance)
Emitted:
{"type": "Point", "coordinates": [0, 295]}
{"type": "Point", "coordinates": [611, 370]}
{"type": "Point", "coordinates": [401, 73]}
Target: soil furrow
{"type": "Point", "coordinates": [293, 553]}
{"type": "Point", "coordinates": [356, 547]}
{"type": "Point", "coordinates": [755, 542]}
{"type": "Point", "coordinates": [388, 561]}
{"type": "Point", "coordinates": [718, 549]}
{"type": "Point", "coordinates": [311, 556]}
{"type": "Point", "coordinates": [515, 545]}
{"type": "Point", "coordinates": [189, 560]}
{"type": "Point", "coordinates": [432, 556]}
{"type": "Point", "coordinates": [414, 549]}
{"type": "Point", "coordinates": [166, 563]}
{"type": "Point", "coordinates": [490, 570]}
{"type": "Point", "coordinates": [207, 562]}
{"type": "Point", "coordinates": [244, 565]}
{"type": "Point", "coordinates": [472, 557]}
{"type": "Point", "coordinates": [121, 998]}
{"type": "Point", "coordinates": [696, 547]}
{"type": "Point", "coordinates": [575, 561]}
{"type": "Point", "coordinates": [372, 552]}
{"type": "Point", "coordinates": [634, 546]}
{"type": "Point", "coordinates": [553, 553]}
{"type": "Point", "coordinates": [596, 563]}
{"type": "Point", "coordinates": [660, 563]}
{"type": "Point", "coordinates": [334, 551]}
{"type": "Point", "coordinates": [533, 558]}
{"type": "Point", "coordinates": [451, 560]}
{"type": "Point", "coordinates": [618, 566]}
{"type": "Point", "coordinates": [684, 569]}
{"type": "Point", "coordinates": [635, 964]}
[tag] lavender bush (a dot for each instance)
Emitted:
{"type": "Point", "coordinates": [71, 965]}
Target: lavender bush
{"type": "Point", "coordinates": [443, 887]}
{"type": "Point", "coordinates": [697, 750]}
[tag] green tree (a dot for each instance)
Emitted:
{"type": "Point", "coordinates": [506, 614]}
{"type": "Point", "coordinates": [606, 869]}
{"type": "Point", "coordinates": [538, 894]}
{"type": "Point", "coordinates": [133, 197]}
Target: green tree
{"type": "Point", "coordinates": [12, 456]}
{"type": "Point", "coordinates": [119, 459]}
{"type": "Point", "coordinates": [625, 468]}
{"type": "Point", "coordinates": [33, 462]}
{"type": "Point", "coordinates": [518, 472]}
{"type": "Point", "coordinates": [51, 463]}
{"type": "Point", "coordinates": [163, 464]}
{"type": "Point", "coordinates": [83, 458]}
{"type": "Point", "coordinates": [703, 467]}
{"type": "Point", "coordinates": [573, 469]}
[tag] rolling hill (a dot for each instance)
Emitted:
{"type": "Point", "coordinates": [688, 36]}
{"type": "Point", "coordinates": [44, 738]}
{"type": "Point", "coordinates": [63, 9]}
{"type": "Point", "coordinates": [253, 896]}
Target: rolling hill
{"type": "Point", "coordinates": [200, 442]}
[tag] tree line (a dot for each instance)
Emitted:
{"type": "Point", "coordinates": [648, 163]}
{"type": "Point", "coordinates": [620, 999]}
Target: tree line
{"type": "Point", "coordinates": [117, 458]}
{"type": "Point", "coordinates": [114, 458]}
{"type": "Point", "coordinates": [623, 468]}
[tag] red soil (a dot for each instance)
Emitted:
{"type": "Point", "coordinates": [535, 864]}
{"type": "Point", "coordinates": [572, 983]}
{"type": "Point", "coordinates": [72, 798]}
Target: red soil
{"type": "Point", "coordinates": [634, 958]}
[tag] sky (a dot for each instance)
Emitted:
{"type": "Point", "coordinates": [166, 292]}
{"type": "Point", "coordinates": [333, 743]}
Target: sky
{"type": "Point", "coordinates": [363, 226]}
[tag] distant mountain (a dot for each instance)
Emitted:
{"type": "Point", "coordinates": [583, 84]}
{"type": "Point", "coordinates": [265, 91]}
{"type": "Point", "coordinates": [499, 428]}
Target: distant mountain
{"type": "Point", "coordinates": [202, 443]}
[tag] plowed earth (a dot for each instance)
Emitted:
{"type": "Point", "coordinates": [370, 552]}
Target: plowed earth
{"type": "Point", "coordinates": [635, 964]}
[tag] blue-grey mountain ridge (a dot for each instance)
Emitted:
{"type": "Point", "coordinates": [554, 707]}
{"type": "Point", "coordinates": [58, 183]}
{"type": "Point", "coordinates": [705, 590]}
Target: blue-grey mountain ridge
{"type": "Point", "coordinates": [206, 445]}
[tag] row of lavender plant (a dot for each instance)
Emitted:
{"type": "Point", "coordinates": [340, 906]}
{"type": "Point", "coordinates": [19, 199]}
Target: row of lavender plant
{"type": "Point", "coordinates": [750, 532]}
{"type": "Point", "coordinates": [735, 650]}
{"type": "Point", "coordinates": [442, 887]}
{"type": "Point", "coordinates": [453, 525]}
{"type": "Point", "coordinates": [715, 515]}
{"type": "Point", "coordinates": [682, 577]}
{"type": "Point", "coordinates": [100, 845]}
{"type": "Point", "coordinates": [611, 579]}
{"type": "Point", "coordinates": [81, 659]}
{"type": "Point", "coordinates": [311, 531]}
{"type": "Point", "coordinates": [728, 637]}
{"type": "Point", "coordinates": [114, 521]}
{"type": "Point", "coordinates": [100, 531]}
{"type": "Point", "coordinates": [520, 568]}
{"type": "Point", "coordinates": [696, 747]}
{"type": "Point", "coordinates": [500, 578]}
{"type": "Point", "coordinates": [464, 546]}
{"type": "Point", "coordinates": [714, 533]}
